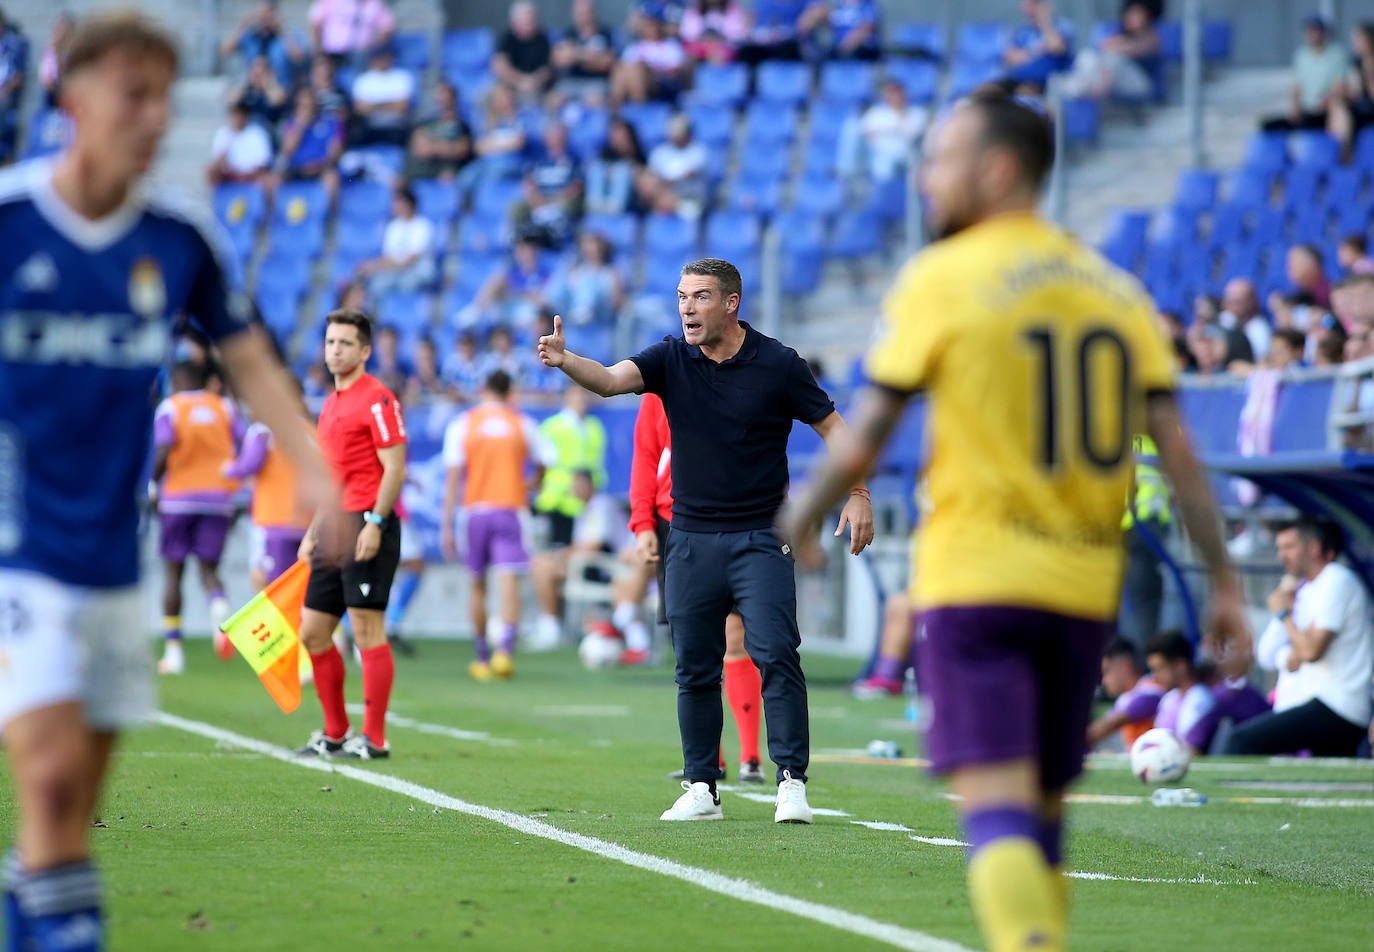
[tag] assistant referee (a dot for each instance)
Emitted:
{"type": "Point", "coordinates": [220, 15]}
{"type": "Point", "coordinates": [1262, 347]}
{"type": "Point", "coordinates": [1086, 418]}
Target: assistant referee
{"type": "Point", "coordinates": [363, 437]}
{"type": "Point", "coordinates": [731, 395]}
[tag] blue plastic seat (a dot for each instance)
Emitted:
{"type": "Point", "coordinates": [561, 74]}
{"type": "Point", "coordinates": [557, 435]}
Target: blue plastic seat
{"type": "Point", "coordinates": [826, 121]}
{"type": "Point", "coordinates": [300, 201]}
{"type": "Point", "coordinates": [495, 198]}
{"type": "Point", "coordinates": [780, 81]}
{"type": "Point", "coordinates": [622, 231]}
{"type": "Point", "coordinates": [818, 196]}
{"type": "Point", "coordinates": [468, 48]}
{"type": "Point", "coordinates": [1267, 152]}
{"type": "Point", "coordinates": [819, 157]}
{"type": "Point", "coordinates": [1344, 186]}
{"type": "Point", "coordinates": [1251, 188]}
{"type": "Point", "coordinates": [1300, 187]}
{"type": "Point", "coordinates": [927, 39]}
{"type": "Point", "coordinates": [1315, 150]}
{"type": "Point", "coordinates": [587, 136]}
{"type": "Point", "coordinates": [767, 125]}
{"type": "Point", "coordinates": [1082, 120]}
{"type": "Point", "coordinates": [1170, 40]}
{"type": "Point", "coordinates": [847, 81]}
{"type": "Point", "coordinates": [412, 51]}
{"type": "Point", "coordinates": [295, 239]}
{"type": "Point", "coordinates": [763, 162]}
{"type": "Point", "coordinates": [967, 76]}
{"type": "Point", "coordinates": [713, 126]}
{"type": "Point", "coordinates": [484, 234]}
{"type": "Point", "coordinates": [920, 78]}
{"type": "Point", "coordinates": [438, 200]}
{"type": "Point", "coordinates": [980, 42]}
{"type": "Point", "coordinates": [670, 235]}
{"type": "Point", "coordinates": [1196, 190]}
{"type": "Point", "coordinates": [1363, 157]}
{"type": "Point", "coordinates": [720, 84]}
{"type": "Point", "coordinates": [732, 234]}
{"type": "Point", "coordinates": [650, 121]}
{"type": "Point", "coordinates": [1216, 40]}
{"type": "Point", "coordinates": [762, 196]}
{"type": "Point", "coordinates": [800, 231]}
{"type": "Point", "coordinates": [472, 84]}
{"type": "Point", "coordinates": [1353, 218]}
{"type": "Point", "coordinates": [855, 234]}
{"type": "Point", "coordinates": [363, 203]}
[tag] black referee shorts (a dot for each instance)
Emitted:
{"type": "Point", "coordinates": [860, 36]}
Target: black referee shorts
{"type": "Point", "coordinates": [335, 588]}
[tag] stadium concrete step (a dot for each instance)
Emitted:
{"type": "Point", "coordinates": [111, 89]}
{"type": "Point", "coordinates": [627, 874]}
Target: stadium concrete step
{"type": "Point", "coordinates": [199, 111]}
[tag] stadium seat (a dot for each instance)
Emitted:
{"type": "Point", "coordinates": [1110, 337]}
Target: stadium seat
{"type": "Point", "coordinates": [720, 84]}
{"type": "Point", "coordinates": [1229, 225]}
{"type": "Point", "coordinates": [1251, 188]}
{"type": "Point", "coordinates": [362, 204]}
{"type": "Point", "coordinates": [495, 198]}
{"type": "Point", "coordinates": [1300, 187]}
{"type": "Point", "coordinates": [1082, 120]}
{"type": "Point", "coordinates": [762, 196]}
{"type": "Point", "coordinates": [732, 234]}
{"type": "Point", "coordinates": [1364, 151]}
{"type": "Point", "coordinates": [965, 77]}
{"type": "Point", "coordinates": [826, 121]}
{"type": "Point", "coordinates": [846, 81]}
{"type": "Point", "coordinates": [819, 157]}
{"type": "Point", "coordinates": [923, 40]}
{"type": "Point", "coordinates": [650, 121]}
{"type": "Point", "coordinates": [1216, 41]}
{"type": "Point", "coordinates": [1125, 241]}
{"type": "Point", "coordinates": [303, 238]}
{"type": "Point", "coordinates": [712, 125]}
{"type": "Point", "coordinates": [818, 196]}
{"type": "Point", "coordinates": [438, 200]}
{"type": "Point", "coordinates": [1353, 218]}
{"type": "Point", "coordinates": [980, 43]}
{"type": "Point", "coordinates": [1196, 190]}
{"type": "Point", "coordinates": [764, 161]}
{"type": "Point", "coordinates": [1170, 40]}
{"type": "Point", "coordinates": [1344, 186]}
{"type": "Point", "coordinates": [1177, 226]}
{"type": "Point", "coordinates": [622, 231]}
{"type": "Point", "coordinates": [412, 51]}
{"type": "Point", "coordinates": [1268, 227]}
{"type": "Point", "coordinates": [800, 231]}
{"type": "Point", "coordinates": [920, 78]}
{"type": "Point", "coordinates": [1314, 150]}
{"type": "Point", "coordinates": [49, 132]}
{"type": "Point", "coordinates": [405, 311]}
{"type": "Point", "coordinates": [779, 81]}
{"type": "Point", "coordinates": [484, 233]}
{"type": "Point", "coordinates": [1239, 260]}
{"type": "Point", "coordinates": [240, 208]}
{"type": "Point", "coordinates": [587, 136]}
{"type": "Point", "coordinates": [472, 84]}
{"type": "Point", "coordinates": [769, 126]}
{"type": "Point", "coordinates": [854, 235]}
{"type": "Point", "coordinates": [1311, 225]}
{"type": "Point", "coordinates": [1267, 152]}
{"type": "Point", "coordinates": [670, 235]}
{"type": "Point", "coordinates": [467, 49]}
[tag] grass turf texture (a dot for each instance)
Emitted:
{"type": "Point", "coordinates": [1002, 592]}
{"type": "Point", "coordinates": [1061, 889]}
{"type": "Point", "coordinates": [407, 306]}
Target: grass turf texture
{"type": "Point", "coordinates": [206, 847]}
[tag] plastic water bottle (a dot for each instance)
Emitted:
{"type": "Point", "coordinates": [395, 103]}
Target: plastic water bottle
{"type": "Point", "coordinates": [1177, 797]}
{"type": "Point", "coordinates": [884, 748]}
{"type": "Point", "coordinates": [913, 700]}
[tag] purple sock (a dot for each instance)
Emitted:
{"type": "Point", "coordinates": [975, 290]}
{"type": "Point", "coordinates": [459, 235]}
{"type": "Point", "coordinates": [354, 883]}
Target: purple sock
{"type": "Point", "coordinates": [507, 641]}
{"type": "Point", "coordinates": [479, 642]}
{"type": "Point", "coordinates": [889, 669]}
{"type": "Point", "coordinates": [1050, 836]}
{"type": "Point", "coordinates": [217, 593]}
{"type": "Point", "coordinates": [984, 826]}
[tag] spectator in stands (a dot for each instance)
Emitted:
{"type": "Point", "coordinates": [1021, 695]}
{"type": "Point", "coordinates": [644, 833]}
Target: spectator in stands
{"type": "Point", "coordinates": [1326, 332]}
{"type": "Point", "coordinates": [1307, 273]}
{"type": "Point", "coordinates": [585, 54]}
{"type": "Point", "coordinates": [501, 146]}
{"type": "Point", "coordinates": [462, 368]}
{"type": "Point", "coordinates": [260, 34]}
{"type": "Point", "coordinates": [425, 381]}
{"type": "Point", "coordinates": [50, 64]}
{"type": "Point", "coordinates": [675, 179]}
{"type": "Point", "coordinates": [1040, 47]}
{"type": "Point", "coordinates": [1319, 68]}
{"type": "Point", "coordinates": [1207, 312]}
{"type": "Point", "coordinates": [310, 146]}
{"type": "Point", "coordinates": [1353, 255]}
{"type": "Point", "coordinates": [513, 295]}
{"type": "Point", "coordinates": [262, 94]}
{"type": "Point", "coordinates": [241, 150]}
{"type": "Point", "coordinates": [611, 177]}
{"type": "Point", "coordinates": [524, 57]}
{"type": "Point", "coordinates": [589, 291]}
{"type": "Point", "coordinates": [888, 132]}
{"type": "Point", "coordinates": [843, 29]}
{"type": "Point", "coordinates": [331, 100]}
{"type": "Point", "coordinates": [387, 365]}
{"type": "Point", "coordinates": [1174, 330]}
{"type": "Point", "coordinates": [1352, 105]}
{"type": "Point", "coordinates": [775, 34]}
{"type": "Point", "coordinates": [1135, 696]}
{"type": "Point", "coordinates": [1287, 349]}
{"type": "Point", "coordinates": [1120, 63]}
{"type": "Point", "coordinates": [346, 29]}
{"type": "Point", "coordinates": [654, 66]}
{"type": "Point", "coordinates": [712, 31]}
{"type": "Point", "coordinates": [407, 261]}
{"type": "Point", "coordinates": [502, 355]}
{"type": "Point", "coordinates": [382, 96]}
{"type": "Point", "coordinates": [553, 186]}
{"type": "Point", "coordinates": [1330, 351]}
{"type": "Point", "coordinates": [1187, 701]}
{"type": "Point", "coordinates": [1353, 299]}
{"type": "Point", "coordinates": [1241, 311]}
{"type": "Point", "coordinates": [1321, 641]}
{"type": "Point", "coordinates": [14, 64]}
{"type": "Point", "coordinates": [440, 146]}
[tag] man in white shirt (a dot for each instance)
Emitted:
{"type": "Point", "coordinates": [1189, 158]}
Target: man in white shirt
{"type": "Point", "coordinates": [407, 260]}
{"type": "Point", "coordinates": [1241, 310]}
{"type": "Point", "coordinates": [1319, 66]}
{"type": "Point", "coordinates": [888, 130]}
{"type": "Point", "coordinates": [382, 96]}
{"type": "Point", "coordinates": [675, 180]}
{"type": "Point", "coordinates": [241, 150]}
{"type": "Point", "coordinates": [1322, 642]}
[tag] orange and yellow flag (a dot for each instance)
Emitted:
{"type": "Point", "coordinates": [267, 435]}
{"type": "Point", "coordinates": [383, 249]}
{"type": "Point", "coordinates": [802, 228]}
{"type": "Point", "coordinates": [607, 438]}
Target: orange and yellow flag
{"type": "Point", "coordinates": [266, 633]}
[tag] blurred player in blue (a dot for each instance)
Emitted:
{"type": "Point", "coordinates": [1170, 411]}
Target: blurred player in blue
{"type": "Point", "coordinates": [92, 273]}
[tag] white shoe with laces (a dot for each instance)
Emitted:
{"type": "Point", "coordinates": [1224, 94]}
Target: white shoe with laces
{"type": "Point", "coordinates": [792, 805]}
{"type": "Point", "coordinates": [696, 804]}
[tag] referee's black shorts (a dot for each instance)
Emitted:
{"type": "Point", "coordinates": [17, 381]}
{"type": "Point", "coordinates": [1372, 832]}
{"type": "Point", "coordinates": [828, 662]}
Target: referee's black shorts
{"type": "Point", "coordinates": [335, 588]}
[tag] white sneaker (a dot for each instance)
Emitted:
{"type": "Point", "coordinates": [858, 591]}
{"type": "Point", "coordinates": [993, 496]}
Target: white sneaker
{"type": "Point", "coordinates": [792, 805]}
{"type": "Point", "coordinates": [219, 611]}
{"type": "Point", "coordinates": [696, 804]}
{"type": "Point", "coordinates": [547, 635]}
{"type": "Point", "coordinates": [173, 659]}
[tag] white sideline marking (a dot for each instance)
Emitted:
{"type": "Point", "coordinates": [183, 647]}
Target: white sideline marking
{"type": "Point", "coordinates": [456, 733]}
{"type": "Point", "coordinates": [583, 710]}
{"type": "Point", "coordinates": [1107, 759]}
{"type": "Point", "coordinates": [938, 841]}
{"type": "Point", "coordinates": [880, 825]}
{"type": "Point", "coordinates": [729, 886]}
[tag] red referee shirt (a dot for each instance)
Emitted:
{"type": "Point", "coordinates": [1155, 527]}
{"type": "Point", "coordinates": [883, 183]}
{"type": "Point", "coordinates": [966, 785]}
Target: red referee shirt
{"type": "Point", "coordinates": [354, 424]}
{"type": "Point", "coordinates": [651, 476]}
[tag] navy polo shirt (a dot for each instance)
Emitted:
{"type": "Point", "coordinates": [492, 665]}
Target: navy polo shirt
{"type": "Point", "coordinates": [730, 423]}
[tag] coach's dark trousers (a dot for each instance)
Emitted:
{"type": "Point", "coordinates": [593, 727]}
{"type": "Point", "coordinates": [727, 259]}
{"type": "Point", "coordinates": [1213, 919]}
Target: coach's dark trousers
{"type": "Point", "coordinates": [708, 575]}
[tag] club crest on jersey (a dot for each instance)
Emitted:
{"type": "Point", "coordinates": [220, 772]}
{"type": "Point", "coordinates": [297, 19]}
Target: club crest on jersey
{"type": "Point", "coordinates": [38, 275]}
{"type": "Point", "coordinates": [147, 292]}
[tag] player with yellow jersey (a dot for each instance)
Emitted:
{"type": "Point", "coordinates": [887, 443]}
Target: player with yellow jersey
{"type": "Point", "coordinates": [1041, 360]}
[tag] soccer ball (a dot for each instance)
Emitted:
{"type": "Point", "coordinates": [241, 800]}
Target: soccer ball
{"type": "Point", "coordinates": [1158, 756]}
{"type": "Point", "coordinates": [600, 647]}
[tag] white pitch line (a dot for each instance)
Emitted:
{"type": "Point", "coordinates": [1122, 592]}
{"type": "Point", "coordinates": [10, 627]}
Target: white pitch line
{"type": "Point", "coordinates": [729, 886]}
{"type": "Point", "coordinates": [880, 825]}
{"type": "Point", "coordinates": [938, 841]}
{"type": "Point", "coordinates": [442, 730]}
{"type": "Point", "coordinates": [772, 798]}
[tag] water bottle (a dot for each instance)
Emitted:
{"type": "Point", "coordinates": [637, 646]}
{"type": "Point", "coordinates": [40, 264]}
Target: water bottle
{"type": "Point", "coordinates": [913, 701]}
{"type": "Point", "coordinates": [1177, 797]}
{"type": "Point", "coordinates": [886, 749]}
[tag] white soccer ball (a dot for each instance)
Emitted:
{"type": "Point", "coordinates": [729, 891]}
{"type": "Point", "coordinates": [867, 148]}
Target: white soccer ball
{"type": "Point", "coordinates": [1158, 756]}
{"type": "Point", "coordinates": [600, 648]}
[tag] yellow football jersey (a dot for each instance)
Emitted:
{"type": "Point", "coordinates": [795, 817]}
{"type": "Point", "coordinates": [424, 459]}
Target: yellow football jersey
{"type": "Point", "coordinates": [1037, 355]}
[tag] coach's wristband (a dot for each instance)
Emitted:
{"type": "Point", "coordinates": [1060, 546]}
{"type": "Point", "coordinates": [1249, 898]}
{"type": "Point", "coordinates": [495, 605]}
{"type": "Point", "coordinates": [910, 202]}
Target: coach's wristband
{"type": "Point", "coordinates": [1285, 614]}
{"type": "Point", "coordinates": [373, 518]}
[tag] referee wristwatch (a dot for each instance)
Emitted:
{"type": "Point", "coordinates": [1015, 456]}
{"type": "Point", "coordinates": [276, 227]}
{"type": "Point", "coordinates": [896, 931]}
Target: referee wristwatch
{"type": "Point", "coordinates": [373, 518]}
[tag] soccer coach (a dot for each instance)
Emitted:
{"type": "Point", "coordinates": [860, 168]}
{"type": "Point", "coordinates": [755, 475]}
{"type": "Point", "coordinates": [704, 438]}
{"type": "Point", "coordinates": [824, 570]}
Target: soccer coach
{"type": "Point", "coordinates": [731, 395]}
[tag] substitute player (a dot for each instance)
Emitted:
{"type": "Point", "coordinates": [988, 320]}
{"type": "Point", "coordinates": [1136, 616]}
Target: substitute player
{"type": "Point", "coordinates": [91, 277]}
{"type": "Point", "coordinates": [496, 454]}
{"type": "Point", "coordinates": [363, 436]}
{"type": "Point", "coordinates": [195, 433]}
{"type": "Point", "coordinates": [1041, 360]}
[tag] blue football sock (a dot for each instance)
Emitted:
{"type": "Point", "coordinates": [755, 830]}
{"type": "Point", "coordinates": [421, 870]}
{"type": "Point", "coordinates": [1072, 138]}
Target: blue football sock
{"type": "Point", "coordinates": [61, 909]}
{"type": "Point", "coordinates": [407, 583]}
{"type": "Point", "coordinates": [16, 928]}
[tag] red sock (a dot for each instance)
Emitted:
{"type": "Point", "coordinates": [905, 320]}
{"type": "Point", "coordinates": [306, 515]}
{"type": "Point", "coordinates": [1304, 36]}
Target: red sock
{"type": "Point", "coordinates": [379, 671]}
{"type": "Point", "coordinates": [329, 685]}
{"type": "Point", "coordinates": [744, 690]}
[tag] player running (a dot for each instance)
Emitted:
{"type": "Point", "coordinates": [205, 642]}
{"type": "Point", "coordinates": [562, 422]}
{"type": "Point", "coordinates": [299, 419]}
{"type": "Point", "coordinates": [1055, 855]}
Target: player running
{"type": "Point", "coordinates": [93, 274]}
{"type": "Point", "coordinates": [1041, 360]}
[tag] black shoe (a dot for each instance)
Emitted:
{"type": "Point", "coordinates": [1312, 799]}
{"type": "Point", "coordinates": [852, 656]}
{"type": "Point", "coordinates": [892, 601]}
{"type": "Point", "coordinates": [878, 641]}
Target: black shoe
{"type": "Point", "coordinates": [401, 646]}
{"type": "Point", "coordinates": [322, 745]}
{"type": "Point", "coordinates": [361, 748]}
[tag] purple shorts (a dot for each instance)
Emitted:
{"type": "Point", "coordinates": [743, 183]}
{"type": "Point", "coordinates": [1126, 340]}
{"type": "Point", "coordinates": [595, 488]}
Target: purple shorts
{"type": "Point", "coordinates": [279, 547]}
{"type": "Point", "coordinates": [1009, 684]}
{"type": "Point", "coordinates": [495, 541]}
{"type": "Point", "coordinates": [185, 534]}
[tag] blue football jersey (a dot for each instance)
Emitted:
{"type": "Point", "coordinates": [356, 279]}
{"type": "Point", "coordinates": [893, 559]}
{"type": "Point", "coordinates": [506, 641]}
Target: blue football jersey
{"type": "Point", "coordinates": [86, 315]}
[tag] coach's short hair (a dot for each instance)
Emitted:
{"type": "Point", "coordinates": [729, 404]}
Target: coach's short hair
{"type": "Point", "coordinates": [498, 384]}
{"type": "Point", "coordinates": [346, 315]}
{"type": "Point", "coordinates": [1010, 123]}
{"type": "Point", "coordinates": [101, 33]}
{"type": "Point", "coordinates": [726, 274]}
{"type": "Point", "coordinates": [1315, 529]}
